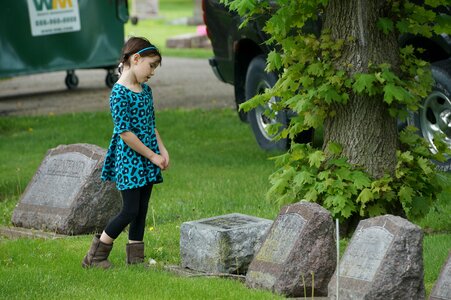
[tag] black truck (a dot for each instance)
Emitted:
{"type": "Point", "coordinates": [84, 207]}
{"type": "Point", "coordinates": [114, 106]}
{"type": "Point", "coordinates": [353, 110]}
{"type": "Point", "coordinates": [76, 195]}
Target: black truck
{"type": "Point", "coordinates": [240, 59]}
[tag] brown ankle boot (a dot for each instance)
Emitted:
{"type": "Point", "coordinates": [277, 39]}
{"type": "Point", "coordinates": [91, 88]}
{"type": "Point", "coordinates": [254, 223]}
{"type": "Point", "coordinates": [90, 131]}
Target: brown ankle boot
{"type": "Point", "coordinates": [135, 253]}
{"type": "Point", "coordinates": [97, 255]}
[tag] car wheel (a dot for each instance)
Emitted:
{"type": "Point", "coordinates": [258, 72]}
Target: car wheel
{"type": "Point", "coordinates": [435, 114]}
{"type": "Point", "coordinates": [257, 80]}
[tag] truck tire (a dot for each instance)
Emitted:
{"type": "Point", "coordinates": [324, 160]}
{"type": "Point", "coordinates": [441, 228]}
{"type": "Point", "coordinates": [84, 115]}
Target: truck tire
{"type": "Point", "coordinates": [257, 80]}
{"type": "Point", "coordinates": [435, 114]}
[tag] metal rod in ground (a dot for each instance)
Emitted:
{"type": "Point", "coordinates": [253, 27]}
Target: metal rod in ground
{"type": "Point", "coordinates": [338, 253]}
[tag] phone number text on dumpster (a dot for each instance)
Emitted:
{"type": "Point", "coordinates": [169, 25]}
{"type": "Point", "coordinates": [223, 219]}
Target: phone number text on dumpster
{"type": "Point", "coordinates": [55, 21]}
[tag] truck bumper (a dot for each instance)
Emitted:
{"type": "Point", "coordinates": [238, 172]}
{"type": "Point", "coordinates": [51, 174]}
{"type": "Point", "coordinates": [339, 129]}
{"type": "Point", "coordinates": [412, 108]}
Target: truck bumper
{"type": "Point", "coordinates": [214, 67]}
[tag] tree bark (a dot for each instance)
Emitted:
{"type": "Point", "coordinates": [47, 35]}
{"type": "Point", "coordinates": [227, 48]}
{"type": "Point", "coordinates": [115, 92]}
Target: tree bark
{"type": "Point", "coordinates": [363, 126]}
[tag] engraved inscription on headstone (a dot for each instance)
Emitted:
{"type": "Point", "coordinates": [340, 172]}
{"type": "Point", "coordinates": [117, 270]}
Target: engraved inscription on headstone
{"type": "Point", "coordinates": [222, 244]}
{"type": "Point", "coordinates": [383, 261]}
{"type": "Point", "coordinates": [442, 288]}
{"type": "Point", "coordinates": [366, 252]}
{"type": "Point", "coordinates": [299, 243]}
{"type": "Point", "coordinates": [66, 194]}
{"type": "Point", "coordinates": [229, 221]}
{"type": "Point", "coordinates": [60, 179]}
{"type": "Point", "coordinates": [281, 239]}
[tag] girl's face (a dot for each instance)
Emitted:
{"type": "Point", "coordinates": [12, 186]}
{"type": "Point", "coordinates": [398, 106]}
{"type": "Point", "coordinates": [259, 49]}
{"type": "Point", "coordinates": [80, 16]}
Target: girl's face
{"type": "Point", "coordinates": [144, 67]}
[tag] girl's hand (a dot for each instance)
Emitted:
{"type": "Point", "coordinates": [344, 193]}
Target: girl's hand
{"type": "Point", "coordinates": [159, 161]}
{"type": "Point", "coordinates": [165, 155]}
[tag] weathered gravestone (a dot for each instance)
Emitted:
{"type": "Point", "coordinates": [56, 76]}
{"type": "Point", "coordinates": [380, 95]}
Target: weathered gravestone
{"type": "Point", "coordinates": [222, 244]}
{"type": "Point", "coordinates": [442, 288]}
{"type": "Point", "coordinates": [383, 261]}
{"type": "Point", "coordinates": [145, 9]}
{"type": "Point", "coordinates": [197, 18]}
{"type": "Point", "coordinates": [298, 252]}
{"type": "Point", "coordinates": [66, 195]}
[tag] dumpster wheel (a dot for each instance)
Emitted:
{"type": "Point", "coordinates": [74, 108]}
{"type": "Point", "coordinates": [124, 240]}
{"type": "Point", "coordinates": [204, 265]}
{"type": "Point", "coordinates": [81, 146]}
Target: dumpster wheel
{"type": "Point", "coordinates": [71, 80]}
{"type": "Point", "coordinates": [111, 78]}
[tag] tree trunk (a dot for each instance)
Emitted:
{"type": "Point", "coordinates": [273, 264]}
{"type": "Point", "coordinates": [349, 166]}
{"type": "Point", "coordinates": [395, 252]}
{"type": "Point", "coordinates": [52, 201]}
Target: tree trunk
{"type": "Point", "coordinates": [364, 128]}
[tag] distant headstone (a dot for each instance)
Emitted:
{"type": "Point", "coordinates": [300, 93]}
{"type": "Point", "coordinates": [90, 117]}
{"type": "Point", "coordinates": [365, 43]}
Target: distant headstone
{"type": "Point", "coordinates": [442, 288]}
{"type": "Point", "coordinates": [298, 252]}
{"type": "Point", "coordinates": [66, 195]}
{"type": "Point", "coordinates": [188, 40]}
{"type": "Point", "coordinates": [197, 18]}
{"type": "Point", "coordinates": [145, 9]}
{"type": "Point", "coordinates": [222, 244]}
{"type": "Point", "coordinates": [383, 261]}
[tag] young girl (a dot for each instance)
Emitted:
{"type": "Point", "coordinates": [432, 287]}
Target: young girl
{"type": "Point", "coordinates": [136, 154]}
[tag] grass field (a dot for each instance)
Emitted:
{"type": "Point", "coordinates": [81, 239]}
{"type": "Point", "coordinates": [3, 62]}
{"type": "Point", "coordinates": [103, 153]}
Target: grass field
{"type": "Point", "coordinates": [217, 168]}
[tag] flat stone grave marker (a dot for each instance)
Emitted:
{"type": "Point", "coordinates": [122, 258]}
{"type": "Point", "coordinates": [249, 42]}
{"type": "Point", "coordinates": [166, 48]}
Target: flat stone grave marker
{"type": "Point", "coordinates": [221, 244]}
{"type": "Point", "coordinates": [382, 261]}
{"type": "Point", "coordinates": [66, 194]}
{"type": "Point", "coordinates": [298, 252]}
{"type": "Point", "coordinates": [442, 288]}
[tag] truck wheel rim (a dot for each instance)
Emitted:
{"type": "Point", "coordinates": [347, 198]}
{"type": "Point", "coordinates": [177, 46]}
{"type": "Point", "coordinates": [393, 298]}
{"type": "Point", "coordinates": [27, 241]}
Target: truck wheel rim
{"type": "Point", "coordinates": [435, 117]}
{"type": "Point", "coordinates": [264, 121]}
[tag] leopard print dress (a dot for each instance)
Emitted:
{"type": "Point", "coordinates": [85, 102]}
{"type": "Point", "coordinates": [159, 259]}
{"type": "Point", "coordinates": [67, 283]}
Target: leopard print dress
{"type": "Point", "coordinates": [133, 112]}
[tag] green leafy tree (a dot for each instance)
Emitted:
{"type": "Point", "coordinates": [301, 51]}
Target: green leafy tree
{"type": "Point", "coordinates": [354, 81]}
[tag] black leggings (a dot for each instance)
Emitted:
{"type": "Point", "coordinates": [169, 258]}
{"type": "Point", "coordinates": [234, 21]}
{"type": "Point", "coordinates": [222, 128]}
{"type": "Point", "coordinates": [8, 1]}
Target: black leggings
{"type": "Point", "coordinates": [134, 210]}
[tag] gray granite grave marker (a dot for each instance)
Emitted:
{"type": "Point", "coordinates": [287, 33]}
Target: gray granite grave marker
{"type": "Point", "coordinates": [66, 195]}
{"type": "Point", "coordinates": [383, 261]}
{"type": "Point", "coordinates": [197, 19]}
{"type": "Point", "coordinates": [145, 9]}
{"type": "Point", "coordinates": [442, 288]}
{"type": "Point", "coordinates": [300, 243]}
{"type": "Point", "coordinates": [222, 244]}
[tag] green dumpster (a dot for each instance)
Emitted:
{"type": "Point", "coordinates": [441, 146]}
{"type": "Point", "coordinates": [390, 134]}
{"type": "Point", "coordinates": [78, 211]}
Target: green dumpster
{"type": "Point", "coordinates": [40, 36]}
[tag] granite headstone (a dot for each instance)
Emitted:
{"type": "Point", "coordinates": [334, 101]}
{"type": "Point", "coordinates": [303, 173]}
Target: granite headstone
{"type": "Point", "coordinates": [442, 288]}
{"type": "Point", "coordinates": [382, 261]}
{"type": "Point", "coordinates": [66, 194]}
{"type": "Point", "coordinates": [298, 253]}
{"type": "Point", "coordinates": [145, 9]}
{"type": "Point", "coordinates": [221, 244]}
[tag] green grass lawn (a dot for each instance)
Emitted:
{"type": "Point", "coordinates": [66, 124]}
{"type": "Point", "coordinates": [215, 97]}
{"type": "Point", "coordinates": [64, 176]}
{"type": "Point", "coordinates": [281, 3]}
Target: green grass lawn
{"type": "Point", "coordinates": [217, 168]}
{"type": "Point", "coordinates": [159, 29]}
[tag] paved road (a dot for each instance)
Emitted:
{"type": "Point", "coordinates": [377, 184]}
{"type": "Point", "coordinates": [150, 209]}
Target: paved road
{"type": "Point", "coordinates": [178, 83]}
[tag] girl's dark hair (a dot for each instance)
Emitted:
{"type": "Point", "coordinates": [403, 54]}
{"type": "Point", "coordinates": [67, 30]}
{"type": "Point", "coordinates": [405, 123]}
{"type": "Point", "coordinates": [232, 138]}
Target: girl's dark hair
{"type": "Point", "coordinates": [132, 46]}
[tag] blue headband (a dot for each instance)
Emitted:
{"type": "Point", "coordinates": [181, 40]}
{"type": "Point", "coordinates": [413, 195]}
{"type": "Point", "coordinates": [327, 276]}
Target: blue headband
{"type": "Point", "coordinates": [148, 48]}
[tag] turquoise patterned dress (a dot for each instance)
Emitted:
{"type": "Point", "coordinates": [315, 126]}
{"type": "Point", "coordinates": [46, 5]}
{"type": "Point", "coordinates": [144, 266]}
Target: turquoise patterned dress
{"type": "Point", "coordinates": [133, 112]}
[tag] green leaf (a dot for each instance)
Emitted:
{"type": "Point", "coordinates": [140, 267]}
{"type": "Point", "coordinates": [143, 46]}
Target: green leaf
{"type": "Point", "coordinates": [365, 196]}
{"type": "Point", "coordinates": [405, 194]}
{"type": "Point", "coordinates": [376, 209]}
{"type": "Point", "coordinates": [393, 92]}
{"type": "Point", "coordinates": [344, 174]}
{"type": "Point", "coordinates": [386, 25]}
{"type": "Point", "coordinates": [316, 158]}
{"type": "Point", "coordinates": [403, 26]}
{"type": "Point", "coordinates": [347, 210]}
{"type": "Point", "coordinates": [316, 69]}
{"type": "Point", "coordinates": [331, 95]}
{"type": "Point", "coordinates": [274, 60]}
{"type": "Point", "coordinates": [364, 82]}
{"type": "Point", "coordinates": [424, 165]}
{"type": "Point", "coordinates": [361, 180]}
{"type": "Point", "coordinates": [303, 177]}
{"type": "Point", "coordinates": [311, 195]}
{"type": "Point", "coordinates": [433, 3]}
{"type": "Point", "coordinates": [443, 24]}
{"type": "Point", "coordinates": [334, 148]}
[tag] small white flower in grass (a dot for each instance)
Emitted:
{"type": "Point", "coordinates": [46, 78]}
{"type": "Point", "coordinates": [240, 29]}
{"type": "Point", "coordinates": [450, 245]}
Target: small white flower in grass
{"type": "Point", "coordinates": [152, 262]}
